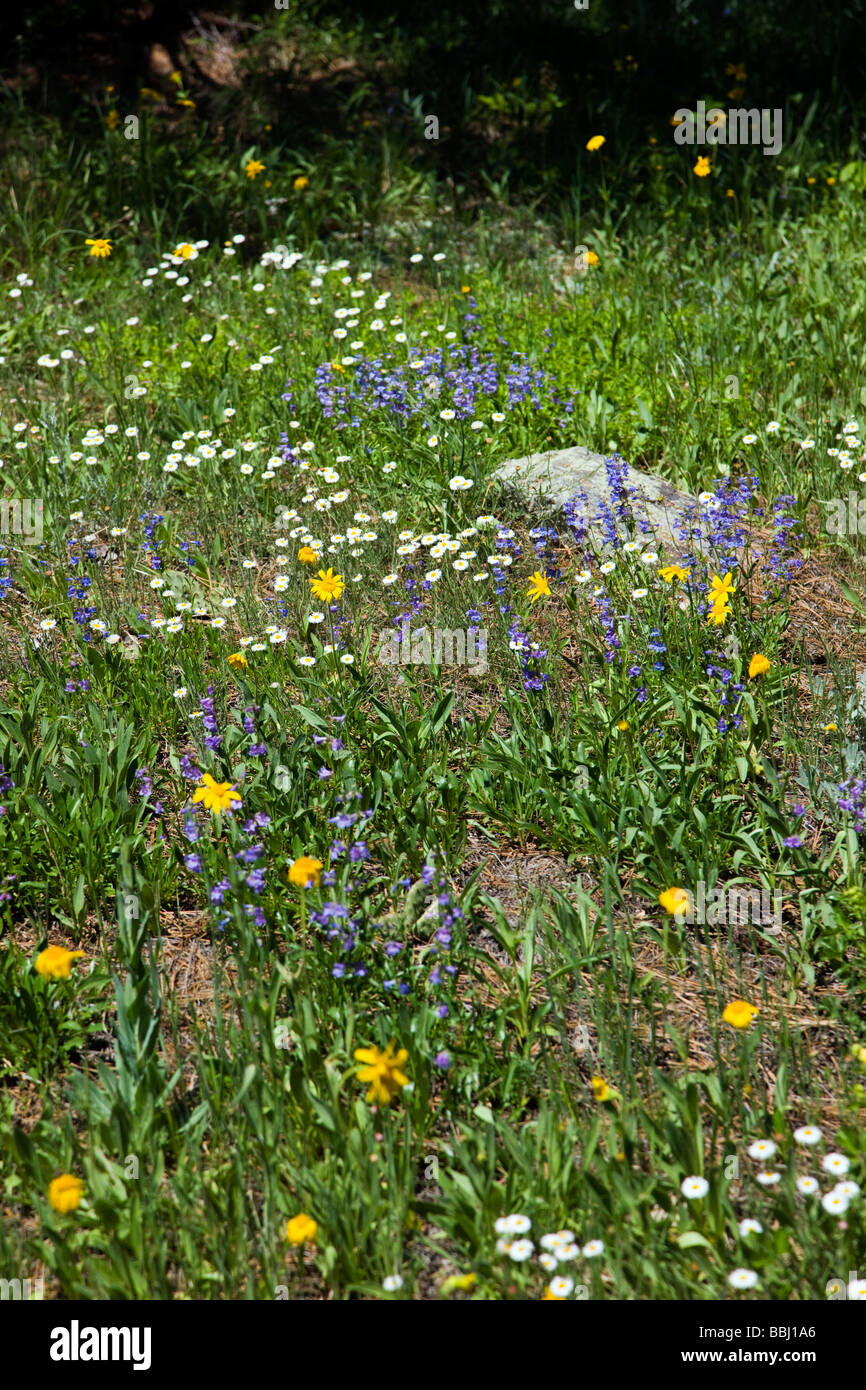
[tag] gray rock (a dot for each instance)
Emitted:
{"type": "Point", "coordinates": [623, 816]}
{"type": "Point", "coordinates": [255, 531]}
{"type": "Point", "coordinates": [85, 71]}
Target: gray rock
{"type": "Point", "coordinates": [548, 481]}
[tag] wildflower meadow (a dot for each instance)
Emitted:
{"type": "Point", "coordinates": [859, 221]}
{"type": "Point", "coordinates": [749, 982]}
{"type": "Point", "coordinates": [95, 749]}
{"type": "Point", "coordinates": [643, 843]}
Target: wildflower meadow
{"type": "Point", "coordinates": [408, 891]}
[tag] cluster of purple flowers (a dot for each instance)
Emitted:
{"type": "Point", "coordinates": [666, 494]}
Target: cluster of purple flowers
{"type": "Point", "coordinates": [77, 591]}
{"type": "Point", "coordinates": [188, 769]}
{"type": "Point", "coordinates": [149, 546]}
{"type": "Point", "coordinates": [6, 785]}
{"type": "Point", "coordinates": [206, 705]}
{"type": "Point", "coordinates": [145, 789]}
{"type": "Point", "coordinates": [722, 523]}
{"type": "Point", "coordinates": [458, 377]}
{"type": "Point", "coordinates": [575, 510]}
{"type": "Point", "coordinates": [781, 562]}
{"type": "Point", "coordinates": [852, 798]}
{"type": "Point", "coordinates": [728, 693]}
{"type": "Point", "coordinates": [443, 975]}
{"type": "Point", "coordinates": [255, 750]}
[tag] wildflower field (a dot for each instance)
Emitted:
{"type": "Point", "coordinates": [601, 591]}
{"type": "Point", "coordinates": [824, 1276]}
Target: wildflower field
{"type": "Point", "coordinates": [331, 965]}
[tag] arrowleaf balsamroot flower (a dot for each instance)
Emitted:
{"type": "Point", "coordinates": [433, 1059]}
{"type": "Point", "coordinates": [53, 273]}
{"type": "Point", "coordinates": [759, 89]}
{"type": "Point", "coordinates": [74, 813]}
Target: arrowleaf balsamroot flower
{"type": "Point", "coordinates": [327, 585]}
{"type": "Point", "coordinates": [301, 1230]}
{"type": "Point", "coordinates": [759, 665]}
{"type": "Point", "coordinates": [55, 962]}
{"type": "Point", "coordinates": [539, 586]}
{"type": "Point", "coordinates": [601, 1091]}
{"type": "Point", "coordinates": [217, 796]}
{"type": "Point", "coordinates": [739, 1013]}
{"type": "Point", "coordinates": [719, 587]}
{"type": "Point", "coordinates": [100, 246]}
{"type": "Point", "coordinates": [64, 1193]}
{"type": "Point", "coordinates": [719, 613]}
{"type": "Point", "coordinates": [383, 1071]}
{"type": "Point", "coordinates": [304, 870]}
{"type": "Point", "coordinates": [461, 1282]}
{"type": "Point", "coordinates": [720, 593]}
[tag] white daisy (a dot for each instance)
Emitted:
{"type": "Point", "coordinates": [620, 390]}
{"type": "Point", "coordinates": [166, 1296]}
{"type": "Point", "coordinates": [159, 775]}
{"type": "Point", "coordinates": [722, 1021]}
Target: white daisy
{"type": "Point", "coordinates": [694, 1188]}
{"type": "Point", "coordinates": [561, 1286]}
{"type": "Point", "coordinates": [762, 1148]}
{"type": "Point", "coordinates": [750, 1227]}
{"type": "Point", "coordinates": [836, 1203]}
{"type": "Point", "coordinates": [835, 1163]}
{"type": "Point", "coordinates": [808, 1134]}
{"type": "Point", "coordinates": [520, 1250]}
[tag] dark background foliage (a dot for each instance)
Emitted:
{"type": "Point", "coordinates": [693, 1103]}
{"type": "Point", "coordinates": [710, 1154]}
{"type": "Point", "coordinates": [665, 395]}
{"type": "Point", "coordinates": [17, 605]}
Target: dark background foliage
{"type": "Point", "coordinates": [533, 79]}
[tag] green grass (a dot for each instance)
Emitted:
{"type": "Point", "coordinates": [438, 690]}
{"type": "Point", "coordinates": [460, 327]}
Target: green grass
{"type": "Point", "coordinates": [511, 842]}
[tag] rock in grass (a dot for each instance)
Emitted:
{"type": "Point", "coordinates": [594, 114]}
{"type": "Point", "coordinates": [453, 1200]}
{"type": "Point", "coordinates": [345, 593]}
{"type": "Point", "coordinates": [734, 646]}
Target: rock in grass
{"type": "Point", "coordinates": [548, 481]}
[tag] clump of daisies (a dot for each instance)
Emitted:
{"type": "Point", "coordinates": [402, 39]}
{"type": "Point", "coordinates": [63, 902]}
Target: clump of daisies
{"type": "Point", "coordinates": [559, 1251]}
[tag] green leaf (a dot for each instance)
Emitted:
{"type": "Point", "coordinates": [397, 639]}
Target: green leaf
{"type": "Point", "coordinates": [691, 1238]}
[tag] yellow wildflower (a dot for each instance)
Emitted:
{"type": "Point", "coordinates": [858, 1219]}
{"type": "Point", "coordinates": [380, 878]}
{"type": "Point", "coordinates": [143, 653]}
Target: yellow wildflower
{"type": "Point", "coordinates": [383, 1071]}
{"type": "Point", "coordinates": [217, 796]}
{"type": "Point", "coordinates": [64, 1193]}
{"type": "Point", "coordinates": [539, 586]}
{"type": "Point", "coordinates": [721, 586]}
{"type": "Point", "coordinates": [301, 1230]}
{"type": "Point", "coordinates": [327, 585]}
{"type": "Point", "coordinates": [55, 962]}
{"type": "Point", "coordinates": [739, 1013]}
{"type": "Point", "coordinates": [303, 870]}
{"type": "Point", "coordinates": [675, 901]}
{"type": "Point", "coordinates": [100, 247]}
{"type": "Point", "coordinates": [461, 1282]}
{"type": "Point", "coordinates": [759, 665]}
